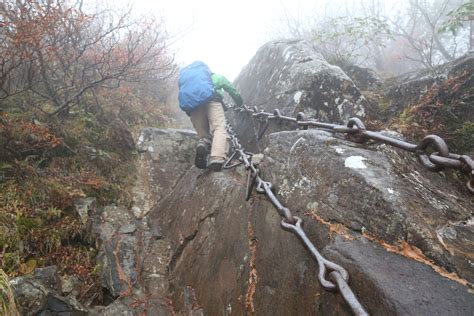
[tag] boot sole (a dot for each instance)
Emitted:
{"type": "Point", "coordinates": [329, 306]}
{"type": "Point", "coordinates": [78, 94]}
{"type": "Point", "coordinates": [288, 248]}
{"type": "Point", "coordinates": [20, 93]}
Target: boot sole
{"type": "Point", "coordinates": [216, 166]}
{"type": "Point", "coordinates": [201, 157]}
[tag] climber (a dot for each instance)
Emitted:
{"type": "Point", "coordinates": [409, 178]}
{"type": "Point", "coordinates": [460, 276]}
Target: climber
{"type": "Point", "coordinates": [201, 94]}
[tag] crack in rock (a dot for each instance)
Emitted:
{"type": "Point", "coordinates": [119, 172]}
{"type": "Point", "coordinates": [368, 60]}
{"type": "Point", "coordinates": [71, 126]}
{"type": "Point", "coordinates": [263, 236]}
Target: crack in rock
{"type": "Point", "coordinates": [179, 251]}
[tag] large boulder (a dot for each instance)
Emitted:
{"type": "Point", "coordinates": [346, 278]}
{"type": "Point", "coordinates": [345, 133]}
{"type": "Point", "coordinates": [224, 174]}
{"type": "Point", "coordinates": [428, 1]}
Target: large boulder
{"type": "Point", "coordinates": [376, 190]}
{"type": "Point", "coordinates": [403, 233]}
{"type": "Point", "coordinates": [190, 243]}
{"type": "Point", "coordinates": [166, 154]}
{"type": "Point", "coordinates": [292, 76]}
{"type": "Point", "coordinates": [364, 78]}
{"type": "Point", "coordinates": [360, 205]}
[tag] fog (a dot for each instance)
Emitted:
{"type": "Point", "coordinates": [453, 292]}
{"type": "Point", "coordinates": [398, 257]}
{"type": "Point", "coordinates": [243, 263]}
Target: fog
{"type": "Point", "coordinates": [226, 34]}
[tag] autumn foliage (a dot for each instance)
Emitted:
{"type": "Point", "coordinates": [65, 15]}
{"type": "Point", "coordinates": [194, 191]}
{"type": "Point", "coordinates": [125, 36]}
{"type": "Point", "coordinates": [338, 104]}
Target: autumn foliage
{"type": "Point", "coordinates": [20, 138]}
{"type": "Point", "coordinates": [75, 85]}
{"type": "Point", "coordinates": [59, 53]}
{"type": "Point", "coordinates": [443, 110]}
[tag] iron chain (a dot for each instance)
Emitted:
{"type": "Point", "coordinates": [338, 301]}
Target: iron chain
{"type": "Point", "coordinates": [339, 277]}
{"type": "Point", "coordinates": [331, 275]}
{"type": "Point", "coordinates": [432, 151]}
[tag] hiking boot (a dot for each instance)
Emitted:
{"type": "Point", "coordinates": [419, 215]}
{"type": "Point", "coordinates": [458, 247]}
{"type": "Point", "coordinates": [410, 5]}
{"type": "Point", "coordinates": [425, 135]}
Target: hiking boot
{"type": "Point", "coordinates": [216, 163]}
{"type": "Point", "coordinates": [202, 152]}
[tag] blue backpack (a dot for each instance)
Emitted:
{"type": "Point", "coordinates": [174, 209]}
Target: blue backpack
{"type": "Point", "coordinates": [195, 86]}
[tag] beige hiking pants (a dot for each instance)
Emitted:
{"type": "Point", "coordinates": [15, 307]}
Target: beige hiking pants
{"type": "Point", "coordinates": [209, 122]}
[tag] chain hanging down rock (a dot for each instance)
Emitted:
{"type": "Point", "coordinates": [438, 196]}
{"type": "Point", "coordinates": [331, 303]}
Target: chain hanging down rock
{"type": "Point", "coordinates": [332, 276]}
{"type": "Point", "coordinates": [432, 151]}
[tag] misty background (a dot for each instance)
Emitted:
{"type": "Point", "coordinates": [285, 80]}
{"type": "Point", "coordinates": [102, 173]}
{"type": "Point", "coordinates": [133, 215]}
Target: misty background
{"type": "Point", "coordinates": [392, 37]}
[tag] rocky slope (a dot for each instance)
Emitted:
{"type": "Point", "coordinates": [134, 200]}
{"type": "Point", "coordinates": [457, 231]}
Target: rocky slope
{"type": "Point", "coordinates": [229, 255]}
{"type": "Point", "coordinates": [193, 245]}
{"type": "Point", "coordinates": [293, 77]}
{"type": "Point", "coordinates": [404, 234]}
{"type": "Point", "coordinates": [426, 102]}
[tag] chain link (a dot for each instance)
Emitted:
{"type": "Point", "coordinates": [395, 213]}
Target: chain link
{"type": "Point", "coordinates": [338, 275]}
{"type": "Point", "coordinates": [432, 151]}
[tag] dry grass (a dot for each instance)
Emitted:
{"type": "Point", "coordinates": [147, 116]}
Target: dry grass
{"type": "Point", "coordinates": [7, 299]}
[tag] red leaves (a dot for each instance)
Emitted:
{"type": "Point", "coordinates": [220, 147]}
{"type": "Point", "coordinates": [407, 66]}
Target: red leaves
{"type": "Point", "coordinates": [59, 53]}
{"type": "Point", "coordinates": [21, 138]}
{"type": "Point", "coordinates": [444, 93]}
{"type": "Point", "coordinates": [92, 180]}
{"type": "Point", "coordinates": [436, 112]}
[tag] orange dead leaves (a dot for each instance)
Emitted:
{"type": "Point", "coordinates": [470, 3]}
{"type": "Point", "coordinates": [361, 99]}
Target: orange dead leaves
{"type": "Point", "coordinates": [92, 181]}
{"type": "Point", "coordinates": [402, 248]}
{"type": "Point", "coordinates": [449, 87]}
{"type": "Point", "coordinates": [80, 263]}
{"type": "Point", "coordinates": [27, 135]}
{"type": "Point", "coordinates": [336, 228]}
{"type": "Point", "coordinates": [253, 277]}
{"type": "Point", "coordinates": [139, 303]}
{"type": "Point", "coordinates": [405, 249]}
{"type": "Point", "coordinates": [43, 134]}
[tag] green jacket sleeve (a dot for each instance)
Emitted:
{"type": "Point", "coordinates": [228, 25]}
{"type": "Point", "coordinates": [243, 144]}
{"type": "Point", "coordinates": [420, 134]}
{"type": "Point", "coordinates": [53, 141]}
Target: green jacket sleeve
{"type": "Point", "coordinates": [222, 84]}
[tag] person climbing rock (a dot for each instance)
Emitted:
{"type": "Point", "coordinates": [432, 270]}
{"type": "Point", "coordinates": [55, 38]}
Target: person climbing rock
{"type": "Point", "coordinates": [201, 94]}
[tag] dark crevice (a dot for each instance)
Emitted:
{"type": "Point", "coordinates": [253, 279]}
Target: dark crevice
{"type": "Point", "coordinates": [106, 298]}
{"type": "Point", "coordinates": [179, 251]}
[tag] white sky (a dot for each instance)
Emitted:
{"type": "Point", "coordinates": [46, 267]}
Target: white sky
{"type": "Point", "coordinates": [223, 34]}
{"type": "Point", "coordinates": [226, 34]}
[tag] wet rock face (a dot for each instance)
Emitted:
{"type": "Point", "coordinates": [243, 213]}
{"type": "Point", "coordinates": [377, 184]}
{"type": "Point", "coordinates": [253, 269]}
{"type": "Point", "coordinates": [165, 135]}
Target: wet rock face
{"type": "Point", "coordinates": [382, 278]}
{"type": "Point", "coordinates": [376, 190]}
{"type": "Point", "coordinates": [292, 76]}
{"type": "Point", "coordinates": [403, 233]}
{"type": "Point", "coordinates": [206, 223]}
{"type": "Point", "coordinates": [166, 154]}
{"type": "Point", "coordinates": [357, 201]}
{"type": "Point", "coordinates": [364, 78]}
{"type": "Point", "coordinates": [117, 246]}
{"type": "Point", "coordinates": [132, 258]}
{"type": "Point", "coordinates": [39, 294]}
